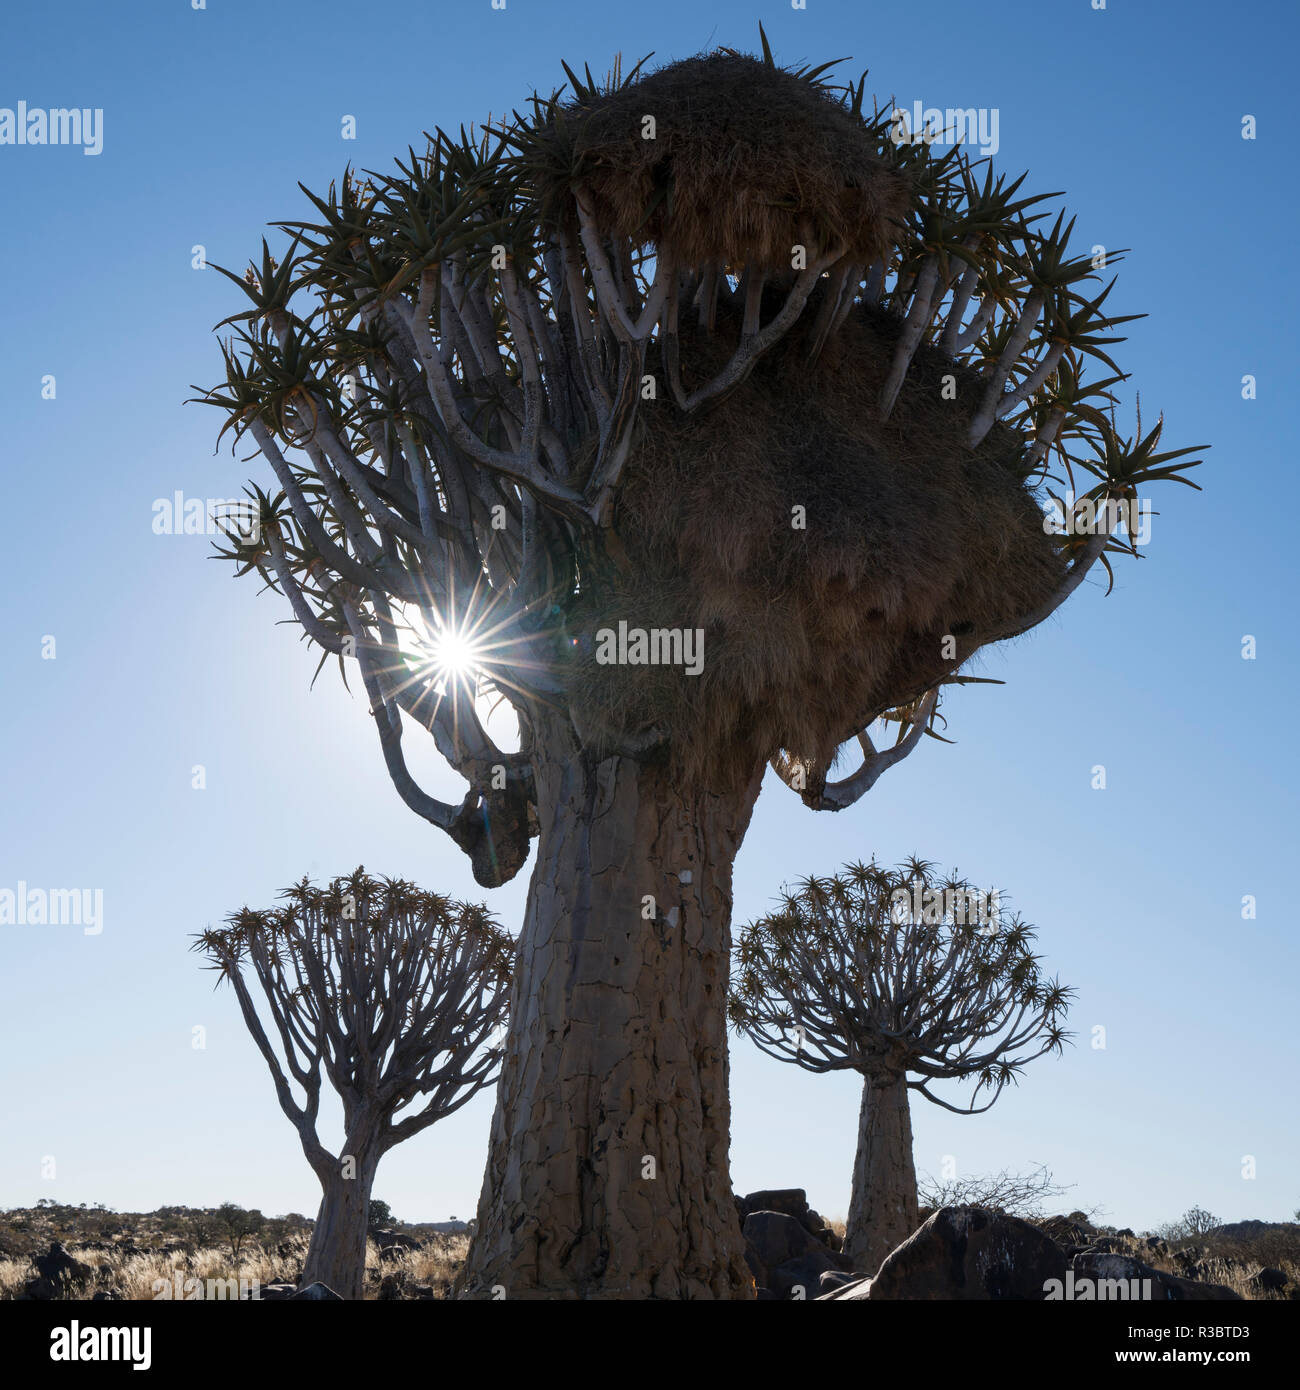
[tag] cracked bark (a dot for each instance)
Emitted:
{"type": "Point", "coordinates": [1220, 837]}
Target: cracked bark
{"type": "Point", "coordinates": [337, 1254]}
{"type": "Point", "coordinates": [882, 1205]}
{"type": "Point", "coordinates": [608, 1172]}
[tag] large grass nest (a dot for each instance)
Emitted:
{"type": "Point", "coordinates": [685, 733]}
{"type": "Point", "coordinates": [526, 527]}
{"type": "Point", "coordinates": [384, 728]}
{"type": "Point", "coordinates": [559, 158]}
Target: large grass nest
{"type": "Point", "coordinates": [910, 536]}
{"type": "Point", "coordinates": [747, 161]}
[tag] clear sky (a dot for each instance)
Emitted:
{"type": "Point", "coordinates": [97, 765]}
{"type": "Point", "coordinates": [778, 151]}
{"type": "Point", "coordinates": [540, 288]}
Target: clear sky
{"type": "Point", "coordinates": [162, 663]}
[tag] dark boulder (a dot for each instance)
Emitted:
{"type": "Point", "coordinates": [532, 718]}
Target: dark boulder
{"type": "Point", "coordinates": [774, 1239]}
{"type": "Point", "coordinates": [1112, 1270]}
{"type": "Point", "coordinates": [793, 1201]}
{"type": "Point", "coordinates": [800, 1278]}
{"type": "Point", "coordinates": [969, 1253]}
{"type": "Point", "coordinates": [58, 1275]}
{"type": "Point", "coordinates": [274, 1293]}
{"type": "Point", "coordinates": [1268, 1280]}
{"type": "Point", "coordinates": [1066, 1232]}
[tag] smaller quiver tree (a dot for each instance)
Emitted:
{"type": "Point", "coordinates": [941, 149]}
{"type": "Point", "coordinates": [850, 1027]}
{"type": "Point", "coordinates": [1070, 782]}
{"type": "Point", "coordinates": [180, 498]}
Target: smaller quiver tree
{"type": "Point", "coordinates": [392, 993]}
{"type": "Point", "coordinates": [911, 980]}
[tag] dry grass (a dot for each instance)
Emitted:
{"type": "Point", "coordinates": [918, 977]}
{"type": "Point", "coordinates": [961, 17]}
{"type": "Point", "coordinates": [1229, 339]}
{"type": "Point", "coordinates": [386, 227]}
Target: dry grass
{"type": "Point", "coordinates": [910, 536]}
{"type": "Point", "coordinates": [139, 1277]}
{"type": "Point", "coordinates": [746, 161]}
{"type": "Point", "coordinates": [1213, 1259]}
{"type": "Point", "coordinates": [435, 1266]}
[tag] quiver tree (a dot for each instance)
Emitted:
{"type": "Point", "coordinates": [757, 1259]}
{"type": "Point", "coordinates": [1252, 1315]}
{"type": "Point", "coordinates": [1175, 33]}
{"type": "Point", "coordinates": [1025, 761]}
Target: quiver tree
{"type": "Point", "coordinates": [697, 358]}
{"type": "Point", "coordinates": [911, 980]}
{"type": "Point", "coordinates": [388, 992]}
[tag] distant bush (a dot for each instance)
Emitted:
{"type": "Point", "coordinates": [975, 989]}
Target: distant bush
{"type": "Point", "coordinates": [1017, 1194]}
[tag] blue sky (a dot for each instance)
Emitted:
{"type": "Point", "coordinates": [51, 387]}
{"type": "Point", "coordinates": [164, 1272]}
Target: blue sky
{"type": "Point", "coordinates": [162, 663]}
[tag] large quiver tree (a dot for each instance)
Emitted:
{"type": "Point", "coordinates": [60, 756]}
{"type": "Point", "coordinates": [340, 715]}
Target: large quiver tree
{"type": "Point", "coordinates": [696, 350]}
{"type": "Point", "coordinates": [911, 980]}
{"type": "Point", "coordinates": [393, 995]}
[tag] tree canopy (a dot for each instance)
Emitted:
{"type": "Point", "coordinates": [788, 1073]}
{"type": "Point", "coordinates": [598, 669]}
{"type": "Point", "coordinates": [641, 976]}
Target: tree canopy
{"type": "Point", "coordinates": [705, 347]}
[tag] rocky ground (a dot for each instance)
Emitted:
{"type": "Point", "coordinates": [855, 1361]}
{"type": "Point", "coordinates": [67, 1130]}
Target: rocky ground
{"type": "Point", "coordinates": [958, 1252]}
{"type": "Point", "coordinates": [966, 1252]}
{"type": "Point", "coordinates": [56, 1251]}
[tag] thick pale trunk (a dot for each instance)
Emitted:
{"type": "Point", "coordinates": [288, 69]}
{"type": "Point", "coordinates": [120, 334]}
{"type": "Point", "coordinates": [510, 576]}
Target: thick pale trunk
{"type": "Point", "coordinates": [882, 1206]}
{"type": "Point", "coordinates": [337, 1253]}
{"type": "Point", "coordinates": [608, 1174]}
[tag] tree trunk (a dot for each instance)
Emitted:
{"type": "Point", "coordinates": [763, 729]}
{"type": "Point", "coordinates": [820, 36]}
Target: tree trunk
{"type": "Point", "coordinates": [882, 1205]}
{"type": "Point", "coordinates": [607, 1176]}
{"type": "Point", "coordinates": [337, 1253]}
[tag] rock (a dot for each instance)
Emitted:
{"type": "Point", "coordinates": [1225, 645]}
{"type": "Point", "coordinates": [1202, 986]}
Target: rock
{"type": "Point", "coordinates": [1126, 1233]}
{"type": "Point", "coordinates": [1098, 1265]}
{"type": "Point", "coordinates": [804, 1273]}
{"type": "Point", "coordinates": [276, 1293]}
{"type": "Point", "coordinates": [424, 1291]}
{"type": "Point", "coordinates": [59, 1267]}
{"type": "Point", "coordinates": [775, 1239]}
{"type": "Point", "coordinates": [970, 1253]}
{"type": "Point", "coordinates": [832, 1279]}
{"type": "Point", "coordinates": [391, 1288]}
{"type": "Point", "coordinates": [1067, 1232]}
{"type": "Point", "coordinates": [319, 1293]}
{"type": "Point", "coordinates": [1267, 1280]}
{"type": "Point", "coordinates": [793, 1201]}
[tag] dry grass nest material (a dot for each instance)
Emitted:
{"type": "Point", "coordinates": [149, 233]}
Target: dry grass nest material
{"type": "Point", "coordinates": [747, 161]}
{"type": "Point", "coordinates": [910, 536]}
